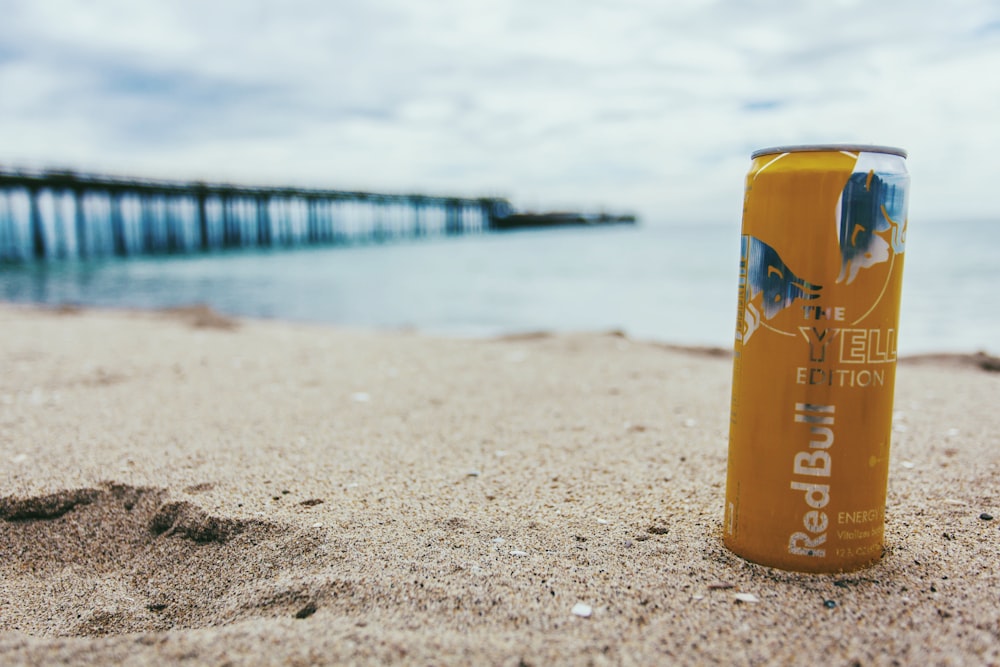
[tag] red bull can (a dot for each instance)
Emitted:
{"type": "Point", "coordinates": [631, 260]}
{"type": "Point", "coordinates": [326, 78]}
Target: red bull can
{"type": "Point", "coordinates": [823, 240]}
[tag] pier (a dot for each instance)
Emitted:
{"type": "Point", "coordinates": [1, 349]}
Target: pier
{"type": "Point", "coordinates": [58, 215]}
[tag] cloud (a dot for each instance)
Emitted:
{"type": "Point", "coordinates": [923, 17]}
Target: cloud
{"type": "Point", "coordinates": [633, 105]}
{"type": "Point", "coordinates": [762, 105]}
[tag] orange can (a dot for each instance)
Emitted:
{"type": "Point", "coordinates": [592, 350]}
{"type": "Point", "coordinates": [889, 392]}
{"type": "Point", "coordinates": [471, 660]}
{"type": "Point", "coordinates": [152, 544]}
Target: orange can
{"type": "Point", "coordinates": [824, 230]}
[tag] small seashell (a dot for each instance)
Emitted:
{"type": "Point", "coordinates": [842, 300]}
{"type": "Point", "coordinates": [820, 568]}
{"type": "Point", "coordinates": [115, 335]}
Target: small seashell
{"type": "Point", "coordinates": [517, 552]}
{"type": "Point", "coordinates": [746, 597]}
{"type": "Point", "coordinates": [582, 609]}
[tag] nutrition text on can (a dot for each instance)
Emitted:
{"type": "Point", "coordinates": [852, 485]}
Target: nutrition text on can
{"type": "Point", "coordinates": [823, 241]}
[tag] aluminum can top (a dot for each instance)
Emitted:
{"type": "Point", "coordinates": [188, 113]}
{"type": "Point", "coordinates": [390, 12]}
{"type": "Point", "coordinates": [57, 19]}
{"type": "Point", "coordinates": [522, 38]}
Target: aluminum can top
{"type": "Point", "coordinates": [815, 148]}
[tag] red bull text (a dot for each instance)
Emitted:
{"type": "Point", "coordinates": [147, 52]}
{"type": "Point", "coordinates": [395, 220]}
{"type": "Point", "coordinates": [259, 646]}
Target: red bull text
{"type": "Point", "coordinates": [824, 233]}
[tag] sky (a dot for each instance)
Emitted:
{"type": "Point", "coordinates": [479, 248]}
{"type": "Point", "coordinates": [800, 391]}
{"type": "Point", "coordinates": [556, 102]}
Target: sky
{"type": "Point", "coordinates": [649, 107]}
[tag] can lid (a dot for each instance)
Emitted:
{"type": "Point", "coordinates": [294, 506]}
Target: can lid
{"type": "Point", "coordinates": [847, 148]}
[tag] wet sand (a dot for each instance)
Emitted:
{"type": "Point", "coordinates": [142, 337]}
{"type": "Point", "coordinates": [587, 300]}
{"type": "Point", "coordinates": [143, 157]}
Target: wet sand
{"type": "Point", "coordinates": [178, 487]}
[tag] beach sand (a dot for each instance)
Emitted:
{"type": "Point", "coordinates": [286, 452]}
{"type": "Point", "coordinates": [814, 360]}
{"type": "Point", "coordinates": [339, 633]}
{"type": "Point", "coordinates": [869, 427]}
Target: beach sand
{"type": "Point", "coordinates": [177, 487]}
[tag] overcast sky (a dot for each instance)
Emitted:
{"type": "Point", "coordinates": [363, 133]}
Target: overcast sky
{"type": "Point", "coordinates": [651, 107]}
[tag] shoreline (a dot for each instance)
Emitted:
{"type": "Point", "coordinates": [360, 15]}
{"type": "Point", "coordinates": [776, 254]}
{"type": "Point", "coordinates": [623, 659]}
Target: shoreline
{"type": "Point", "coordinates": [200, 315]}
{"type": "Point", "coordinates": [182, 486]}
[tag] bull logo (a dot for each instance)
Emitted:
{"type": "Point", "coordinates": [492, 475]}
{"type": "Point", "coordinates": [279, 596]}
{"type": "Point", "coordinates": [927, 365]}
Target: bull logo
{"type": "Point", "coordinates": [872, 207]}
{"type": "Point", "coordinates": [769, 286]}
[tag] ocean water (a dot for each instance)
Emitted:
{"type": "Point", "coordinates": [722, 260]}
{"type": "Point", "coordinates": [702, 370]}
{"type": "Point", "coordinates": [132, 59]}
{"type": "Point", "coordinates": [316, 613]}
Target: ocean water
{"type": "Point", "coordinates": [674, 284]}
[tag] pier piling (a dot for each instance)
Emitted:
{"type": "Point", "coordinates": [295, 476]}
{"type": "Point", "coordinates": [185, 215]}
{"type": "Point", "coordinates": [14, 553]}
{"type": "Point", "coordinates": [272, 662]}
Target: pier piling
{"type": "Point", "coordinates": [50, 215]}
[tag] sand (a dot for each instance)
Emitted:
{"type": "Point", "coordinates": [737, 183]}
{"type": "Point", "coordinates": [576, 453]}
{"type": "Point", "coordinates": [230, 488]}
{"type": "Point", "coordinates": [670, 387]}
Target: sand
{"type": "Point", "coordinates": [182, 488]}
